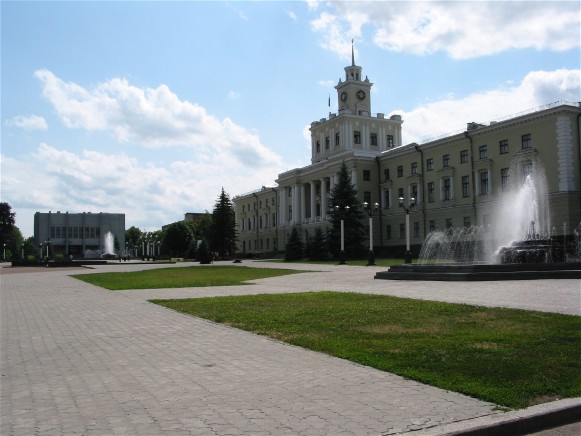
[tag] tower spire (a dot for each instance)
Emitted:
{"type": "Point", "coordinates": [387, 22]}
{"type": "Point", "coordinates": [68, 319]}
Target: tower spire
{"type": "Point", "coordinates": [352, 54]}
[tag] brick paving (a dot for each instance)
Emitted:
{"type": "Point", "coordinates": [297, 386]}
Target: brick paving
{"type": "Point", "coordinates": [77, 359]}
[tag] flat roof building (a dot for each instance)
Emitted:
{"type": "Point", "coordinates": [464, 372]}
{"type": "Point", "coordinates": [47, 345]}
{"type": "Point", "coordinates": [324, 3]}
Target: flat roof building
{"type": "Point", "coordinates": [82, 235]}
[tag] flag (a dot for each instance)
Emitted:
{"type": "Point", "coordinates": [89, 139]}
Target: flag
{"type": "Point", "coordinates": [329, 100]}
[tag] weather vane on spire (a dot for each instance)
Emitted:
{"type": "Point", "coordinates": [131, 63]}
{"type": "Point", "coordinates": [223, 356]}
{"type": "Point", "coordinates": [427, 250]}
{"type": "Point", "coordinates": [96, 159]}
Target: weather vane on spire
{"type": "Point", "coordinates": [352, 53]}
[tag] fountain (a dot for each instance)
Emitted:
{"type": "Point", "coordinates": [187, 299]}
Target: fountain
{"type": "Point", "coordinates": [108, 246]}
{"type": "Point", "coordinates": [522, 244]}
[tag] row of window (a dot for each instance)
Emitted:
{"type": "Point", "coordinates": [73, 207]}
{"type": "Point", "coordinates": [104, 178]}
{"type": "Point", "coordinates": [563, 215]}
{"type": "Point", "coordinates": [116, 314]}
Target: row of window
{"type": "Point", "coordinates": [466, 222]}
{"type": "Point", "coordinates": [244, 209]}
{"type": "Point", "coordinates": [250, 223]}
{"type": "Point", "coordinates": [259, 244]}
{"type": "Point", "coordinates": [526, 143]}
{"type": "Point", "coordinates": [446, 185]}
{"type": "Point", "coordinates": [356, 140]}
{"type": "Point", "coordinates": [74, 232]}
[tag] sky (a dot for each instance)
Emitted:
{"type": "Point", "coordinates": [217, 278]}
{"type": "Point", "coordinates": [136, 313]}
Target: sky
{"type": "Point", "coordinates": [150, 108]}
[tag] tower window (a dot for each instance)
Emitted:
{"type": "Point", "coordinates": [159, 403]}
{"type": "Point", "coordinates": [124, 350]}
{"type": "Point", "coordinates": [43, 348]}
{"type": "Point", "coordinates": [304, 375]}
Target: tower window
{"type": "Point", "coordinates": [465, 186]}
{"type": "Point", "coordinates": [367, 197]}
{"type": "Point", "coordinates": [318, 146]}
{"type": "Point", "coordinates": [414, 168]}
{"type": "Point", "coordinates": [484, 183]}
{"type": "Point", "coordinates": [327, 142]}
{"type": "Point", "coordinates": [431, 192]}
{"type": "Point", "coordinates": [389, 140]}
{"type": "Point", "coordinates": [482, 152]}
{"type": "Point", "coordinates": [400, 171]}
{"type": "Point", "coordinates": [429, 164]}
{"type": "Point", "coordinates": [447, 190]}
{"type": "Point", "coordinates": [503, 145]}
{"type": "Point", "coordinates": [337, 138]}
{"type": "Point", "coordinates": [526, 141]}
{"type": "Point", "coordinates": [366, 175]}
{"type": "Point", "coordinates": [373, 138]}
{"type": "Point", "coordinates": [463, 156]}
{"type": "Point", "coordinates": [357, 137]}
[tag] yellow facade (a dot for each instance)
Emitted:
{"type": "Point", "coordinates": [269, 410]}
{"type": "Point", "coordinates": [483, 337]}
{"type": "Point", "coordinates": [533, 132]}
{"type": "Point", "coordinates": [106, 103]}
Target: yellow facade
{"type": "Point", "coordinates": [457, 180]}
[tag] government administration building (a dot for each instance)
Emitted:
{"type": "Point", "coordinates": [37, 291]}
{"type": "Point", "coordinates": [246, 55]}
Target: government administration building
{"type": "Point", "coordinates": [457, 180]}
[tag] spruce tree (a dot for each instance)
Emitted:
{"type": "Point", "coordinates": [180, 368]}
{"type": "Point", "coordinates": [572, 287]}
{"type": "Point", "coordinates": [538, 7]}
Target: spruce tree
{"type": "Point", "coordinates": [294, 246]}
{"type": "Point", "coordinates": [317, 246]}
{"type": "Point", "coordinates": [223, 229]}
{"type": "Point", "coordinates": [343, 204]}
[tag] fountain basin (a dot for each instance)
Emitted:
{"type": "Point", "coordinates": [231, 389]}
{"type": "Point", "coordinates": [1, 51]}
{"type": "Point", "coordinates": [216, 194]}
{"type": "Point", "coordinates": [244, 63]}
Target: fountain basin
{"type": "Point", "coordinates": [482, 272]}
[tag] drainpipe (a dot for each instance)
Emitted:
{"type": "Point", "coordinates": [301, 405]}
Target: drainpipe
{"type": "Point", "coordinates": [423, 187]}
{"type": "Point", "coordinates": [380, 203]}
{"type": "Point", "coordinates": [467, 135]}
{"type": "Point", "coordinates": [276, 220]}
{"type": "Point", "coordinates": [256, 220]}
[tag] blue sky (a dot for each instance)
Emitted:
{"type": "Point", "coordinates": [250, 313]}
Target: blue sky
{"type": "Point", "coordinates": [150, 108]}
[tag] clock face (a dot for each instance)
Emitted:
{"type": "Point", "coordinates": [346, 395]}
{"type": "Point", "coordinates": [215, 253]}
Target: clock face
{"type": "Point", "coordinates": [360, 94]}
{"type": "Point", "coordinates": [343, 96]}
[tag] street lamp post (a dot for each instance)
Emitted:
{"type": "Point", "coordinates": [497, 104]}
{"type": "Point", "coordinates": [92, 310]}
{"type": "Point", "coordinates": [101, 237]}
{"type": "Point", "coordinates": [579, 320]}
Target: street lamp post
{"type": "Point", "coordinates": [370, 212]}
{"type": "Point", "coordinates": [411, 205]}
{"type": "Point", "coordinates": [342, 211]}
{"type": "Point", "coordinates": [4, 253]}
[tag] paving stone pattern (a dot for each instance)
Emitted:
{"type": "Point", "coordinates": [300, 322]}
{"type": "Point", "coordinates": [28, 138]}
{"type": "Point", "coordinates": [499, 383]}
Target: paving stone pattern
{"type": "Point", "coordinates": [77, 359]}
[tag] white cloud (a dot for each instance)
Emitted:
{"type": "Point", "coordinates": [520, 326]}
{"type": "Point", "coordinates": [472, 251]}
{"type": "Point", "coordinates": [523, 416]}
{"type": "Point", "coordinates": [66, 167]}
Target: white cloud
{"type": "Point", "coordinates": [292, 15]}
{"type": "Point", "coordinates": [31, 122]}
{"type": "Point", "coordinates": [450, 115]}
{"type": "Point", "coordinates": [151, 194]}
{"type": "Point", "coordinates": [151, 118]}
{"type": "Point", "coordinates": [461, 29]}
{"type": "Point", "coordinates": [233, 95]}
{"type": "Point", "coordinates": [327, 83]}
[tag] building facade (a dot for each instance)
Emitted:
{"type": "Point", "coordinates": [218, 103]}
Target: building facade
{"type": "Point", "coordinates": [456, 181]}
{"type": "Point", "coordinates": [77, 234]}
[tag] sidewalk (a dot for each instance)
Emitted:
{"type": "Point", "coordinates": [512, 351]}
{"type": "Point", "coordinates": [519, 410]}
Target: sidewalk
{"type": "Point", "coordinates": [77, 359]}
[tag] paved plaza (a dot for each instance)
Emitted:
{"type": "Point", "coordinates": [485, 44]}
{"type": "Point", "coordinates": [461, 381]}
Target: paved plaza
{"type": "Point", "coordinates": [78, 359]}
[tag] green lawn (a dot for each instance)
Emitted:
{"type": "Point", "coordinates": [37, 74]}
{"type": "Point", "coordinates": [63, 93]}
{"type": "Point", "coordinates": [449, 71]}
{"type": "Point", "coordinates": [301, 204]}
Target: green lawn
{"type": "Point", "coordinates": [513, 358]}
{"type": "Point", "coordinates": [183, 277]}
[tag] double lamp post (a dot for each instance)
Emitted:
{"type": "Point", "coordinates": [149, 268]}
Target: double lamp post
{"type": "Point", "coordinates": [410, 206]}
{"type": "Point", "coordinates": [370, 212]}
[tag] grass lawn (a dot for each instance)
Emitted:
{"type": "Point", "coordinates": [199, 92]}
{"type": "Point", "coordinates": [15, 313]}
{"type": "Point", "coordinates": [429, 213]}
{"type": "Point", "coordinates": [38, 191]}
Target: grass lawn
{"type": "Point", "coordinates": [183, 277]}
{"type": "Point", "coordinates": [513, 358]}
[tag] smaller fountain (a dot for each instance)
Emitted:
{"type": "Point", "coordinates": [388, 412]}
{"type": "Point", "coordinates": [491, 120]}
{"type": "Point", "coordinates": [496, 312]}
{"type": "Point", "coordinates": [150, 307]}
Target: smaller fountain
{"type": "Point", "coordinates": [108, 246]}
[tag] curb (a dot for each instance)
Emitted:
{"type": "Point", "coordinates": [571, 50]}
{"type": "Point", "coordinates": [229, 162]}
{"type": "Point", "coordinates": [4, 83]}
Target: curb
{"type": "Point", "coordinates": [517, 422]}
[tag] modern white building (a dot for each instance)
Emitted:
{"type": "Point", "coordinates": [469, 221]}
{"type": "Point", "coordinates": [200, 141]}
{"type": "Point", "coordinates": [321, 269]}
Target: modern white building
{"type": "Point", "coordinates": [457, 180]}
{"type": "Point", "coordinates": [77, 234]}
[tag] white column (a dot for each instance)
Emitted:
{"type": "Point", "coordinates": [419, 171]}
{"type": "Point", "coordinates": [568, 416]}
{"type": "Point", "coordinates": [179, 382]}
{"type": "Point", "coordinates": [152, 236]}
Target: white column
{"type": "Point", "coordinates": [354, 177]}
{"type": "Point", "coordinates": [282, 207]}
{"type": "Point", "coordinates": [295, 203]}
{"type": "Point", "coordinates": [303, 205]}
{"type": "Point", "coordinates": [323, 199]}
{"type": "Point", "coordinates": [313, 202]}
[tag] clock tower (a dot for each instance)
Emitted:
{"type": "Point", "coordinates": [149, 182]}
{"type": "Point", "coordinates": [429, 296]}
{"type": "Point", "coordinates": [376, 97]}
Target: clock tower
{"type": "Point", "coordinates": [354, 94]}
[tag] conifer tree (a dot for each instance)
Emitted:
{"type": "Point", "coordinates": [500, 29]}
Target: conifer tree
{"type": "Point", "coordinates": [316, 248]}
{"type": "Point", "coordinates": [343, 204]}
{"type": "Point", "coordinates": [294, 246]}
{"type": "Point", "coordinates": [223, 229]}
